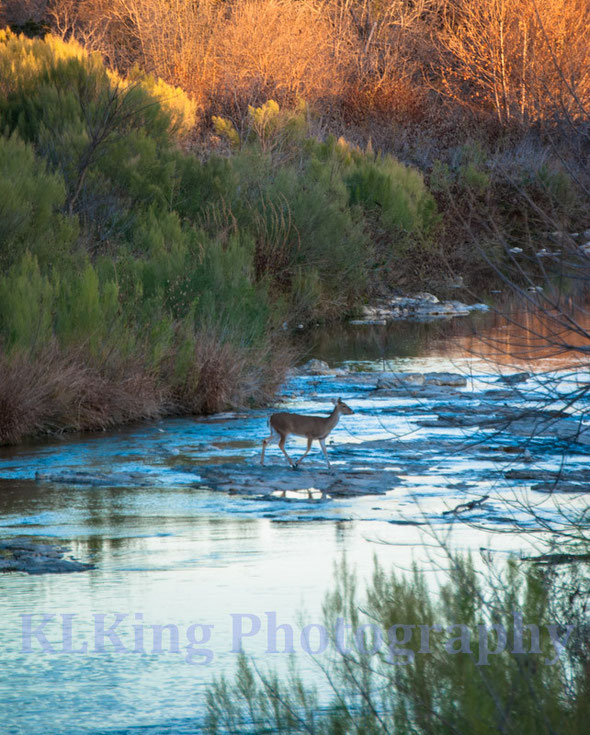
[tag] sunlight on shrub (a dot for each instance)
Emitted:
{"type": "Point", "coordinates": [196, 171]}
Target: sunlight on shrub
{"type": "Point", "coordinates": [226, 129]}
{"type": "Point", "coordinates": [173, 99]}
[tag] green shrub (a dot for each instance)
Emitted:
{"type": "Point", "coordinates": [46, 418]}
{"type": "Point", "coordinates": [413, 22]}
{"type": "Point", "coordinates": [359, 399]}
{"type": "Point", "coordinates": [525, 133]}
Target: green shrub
{"type": "Point", "coordinates": [27, 299]}
{"type": "Point", "coordinates": [114, 239]}
{"type": "Point", "coordinates": [445, 682]}
{"type": "Point", "coordinates": [314, 209]}
{"type": "Point", "coordinates": [395, 193]}
{"type": "Point", "coordinates": [86, 310]}
{"type": "Point", "coordinates": [108, 137]}
{"type": "Point", "coordinates": [30, 202]}
{"type": "Point", "coordinates": [177, 104]}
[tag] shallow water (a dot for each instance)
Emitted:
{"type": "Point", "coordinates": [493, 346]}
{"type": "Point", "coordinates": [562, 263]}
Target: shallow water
{"type": "Point", "coordinates": [170, 551]}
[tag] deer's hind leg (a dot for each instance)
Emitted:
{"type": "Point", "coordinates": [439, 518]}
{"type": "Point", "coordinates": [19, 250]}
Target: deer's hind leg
{"type": "Point", "coordinates": [274, 436]}
{"type": "Point", "coordinates": [282, 441]}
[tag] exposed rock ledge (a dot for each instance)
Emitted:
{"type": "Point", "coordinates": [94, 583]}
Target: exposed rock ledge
{"type": "Point", "coordinates": [389, 381]}
{"type": "Point", "coordinates": [277, 481]}
{"type": "Point", "coordinates": [23, 555]}
{"type": "Point", "coordinates": [422, 306]}
{"type": "Point", "coordinates": [319, 367]}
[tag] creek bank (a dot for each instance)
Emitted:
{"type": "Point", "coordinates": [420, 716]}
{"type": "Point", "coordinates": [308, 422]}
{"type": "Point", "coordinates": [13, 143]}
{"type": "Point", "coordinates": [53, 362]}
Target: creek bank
{"type": "Point", "coordinates": [420, 307]}
{"type": "Point", "coordinates": [33, 557]}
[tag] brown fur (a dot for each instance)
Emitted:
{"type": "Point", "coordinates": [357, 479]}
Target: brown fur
{"type": "Point", "coordinates": [314, 428]}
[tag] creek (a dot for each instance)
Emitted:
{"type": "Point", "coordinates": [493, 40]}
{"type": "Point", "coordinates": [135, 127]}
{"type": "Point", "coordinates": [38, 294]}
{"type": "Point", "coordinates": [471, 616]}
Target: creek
{"type": "Point", "coordinates": [192, 532]}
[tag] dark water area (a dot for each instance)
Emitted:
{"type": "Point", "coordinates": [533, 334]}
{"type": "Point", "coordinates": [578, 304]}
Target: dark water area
{"type": "Point", "coordinates": [509, 333]}
{"type": "Point", "coordinates": [399, 339]}
{"type": "Point", "coordinates": [170, 547]}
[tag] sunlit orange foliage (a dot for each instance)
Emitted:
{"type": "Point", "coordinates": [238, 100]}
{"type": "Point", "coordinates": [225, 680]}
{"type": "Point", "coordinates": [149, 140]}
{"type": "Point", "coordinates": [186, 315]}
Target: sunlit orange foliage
{"type": "Point", "coordinates": [352, 54]}
{"type": "Point", "coordinates": [526, 60]}
{"type": "Point", "coordinates": [519, 61]}
{"type": "Point", "coordinates": [279, 49]}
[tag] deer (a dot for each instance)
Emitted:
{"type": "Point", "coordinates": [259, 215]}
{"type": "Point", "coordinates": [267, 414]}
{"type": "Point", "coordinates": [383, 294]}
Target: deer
{"type": "Point", "coordinates": [311, 427]}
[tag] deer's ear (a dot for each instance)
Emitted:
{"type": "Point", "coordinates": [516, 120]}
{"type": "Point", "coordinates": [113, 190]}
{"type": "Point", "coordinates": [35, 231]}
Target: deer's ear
{"type": "Point", "coordinates": [339, 400]}
{"type": "Point", "coordinates": [335, 401]}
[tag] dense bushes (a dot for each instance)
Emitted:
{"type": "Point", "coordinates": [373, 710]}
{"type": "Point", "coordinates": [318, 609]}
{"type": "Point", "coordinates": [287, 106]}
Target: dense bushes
{"type": "Point", "coordinates": [31, 198]}
{"type": "Point", "coordinates": [505, 63]}
{"type": "Point", "coordinates": [321, 213]}
{"type": "Point", "coordinates": [118, 247]}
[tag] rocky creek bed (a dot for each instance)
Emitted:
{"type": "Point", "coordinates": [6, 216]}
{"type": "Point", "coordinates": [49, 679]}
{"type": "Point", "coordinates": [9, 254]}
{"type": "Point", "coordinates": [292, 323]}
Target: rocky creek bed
{"type": "Point", "coordinates": [427, 441]}
{"type": "Point", "coordinates": [428, 436]}
{"type": "Point", "coordinates": [184, 526]}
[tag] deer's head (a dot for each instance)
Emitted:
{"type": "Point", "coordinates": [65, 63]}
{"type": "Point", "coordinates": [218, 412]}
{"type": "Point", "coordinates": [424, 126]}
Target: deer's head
{"type": "Point", "coordinates": [343, 407]}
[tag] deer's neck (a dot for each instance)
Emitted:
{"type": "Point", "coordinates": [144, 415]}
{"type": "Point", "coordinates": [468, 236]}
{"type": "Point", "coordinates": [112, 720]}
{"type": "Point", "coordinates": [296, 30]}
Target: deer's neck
{"type": "Point", "coordinates": [334, 417]}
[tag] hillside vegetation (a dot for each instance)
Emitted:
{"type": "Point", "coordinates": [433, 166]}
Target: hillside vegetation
{"type": "Point", "coordinates": [183, 182]}
{"type": "Point", "coordinates": [138, 279]}
{"type": "Point", "coordinates": [361, 62]}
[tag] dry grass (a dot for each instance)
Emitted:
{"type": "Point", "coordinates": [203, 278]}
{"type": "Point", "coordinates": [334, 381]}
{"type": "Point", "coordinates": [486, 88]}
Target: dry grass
{"type": "Point", "coordinates": [223, 375]}
{"type": "Point", "coordinates": [356, 62]}
{"type": "Point", "coordinates": [57, 390]}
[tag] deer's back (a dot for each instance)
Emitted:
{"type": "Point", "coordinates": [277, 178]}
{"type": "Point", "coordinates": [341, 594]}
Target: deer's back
{"type": "Point", "coordinates": [299, 424]}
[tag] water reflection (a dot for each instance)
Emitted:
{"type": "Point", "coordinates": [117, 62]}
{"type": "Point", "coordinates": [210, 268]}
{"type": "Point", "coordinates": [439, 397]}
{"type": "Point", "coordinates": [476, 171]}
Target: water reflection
{"type": "Point", "coordinates": [354, 343]}
{"type": "Point", "coordinates": [523, 337]}
{"type": "Point", "coordinates": [508, 334]}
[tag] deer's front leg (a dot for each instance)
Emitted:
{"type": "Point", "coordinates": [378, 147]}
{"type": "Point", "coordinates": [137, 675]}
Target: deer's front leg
{"type": "Point", "coordinates": [324, 450]}
{"type": "Point", "coordinates": [300, 460]}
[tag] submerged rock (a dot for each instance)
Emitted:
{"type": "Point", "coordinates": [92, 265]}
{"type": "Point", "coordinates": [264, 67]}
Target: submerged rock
{"type": "Point", "coordinates": [400, 380]}
{"type": "Point", "coordinates": [453, 379]}
{"type": "Point", "coordinates": [496, 394]}
{"type": "Point", "coordinates": [512, 420]}
{"type": "Point", "coordinates": [551, 424]}
{"type": "Point", "coordinates": [271, 481]}
{"type": "Point", "coordinates": [575, 488]}
{"type": "Point", "coordinates": [549, 475]}
{"type": "Point", "coordinates": [514, 379]}
{"type": "Point", "coordinates": [99, 479]}
{"type": "Point", "coordinates": [24, 555]}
